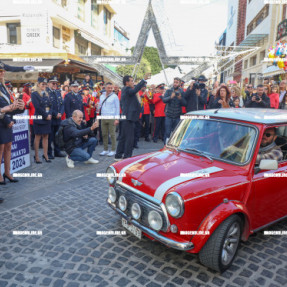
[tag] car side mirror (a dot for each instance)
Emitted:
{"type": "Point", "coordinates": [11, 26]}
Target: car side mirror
{"type": "Point", "coordinates": [267, 164]}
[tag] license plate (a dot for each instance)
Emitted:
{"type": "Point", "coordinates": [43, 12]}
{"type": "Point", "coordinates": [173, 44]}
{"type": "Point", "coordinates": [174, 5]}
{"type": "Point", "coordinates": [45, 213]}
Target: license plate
{"type": "Point", "coordinates": [131, 228]}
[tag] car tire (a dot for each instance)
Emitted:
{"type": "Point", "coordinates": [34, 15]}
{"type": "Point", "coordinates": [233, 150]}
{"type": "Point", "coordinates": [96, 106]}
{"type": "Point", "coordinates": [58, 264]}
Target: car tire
{"type": "Point", "coordinates": [221, 248]}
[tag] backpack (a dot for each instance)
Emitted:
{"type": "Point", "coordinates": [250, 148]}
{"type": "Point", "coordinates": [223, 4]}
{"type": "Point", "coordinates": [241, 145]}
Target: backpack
{"type": "Point", "coordinates": [59, 137]}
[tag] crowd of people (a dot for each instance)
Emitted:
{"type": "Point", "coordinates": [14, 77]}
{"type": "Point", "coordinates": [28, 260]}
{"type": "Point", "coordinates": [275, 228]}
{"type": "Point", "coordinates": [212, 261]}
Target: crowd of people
{"type": "Point", "coordinates": [86, 114]}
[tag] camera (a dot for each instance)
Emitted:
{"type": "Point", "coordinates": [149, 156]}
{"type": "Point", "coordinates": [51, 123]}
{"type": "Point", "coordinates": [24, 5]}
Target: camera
{"type": "Point", "coordinates": [198, 85]}
{"type": "Point", "coordinates": [257, 98]}
{"type": "Point", "coordinates": [177, 93]}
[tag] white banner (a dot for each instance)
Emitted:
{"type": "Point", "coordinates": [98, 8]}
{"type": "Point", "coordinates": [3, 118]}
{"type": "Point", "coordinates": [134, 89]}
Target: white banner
{"type": "Point", "coordinates": [20, 154]}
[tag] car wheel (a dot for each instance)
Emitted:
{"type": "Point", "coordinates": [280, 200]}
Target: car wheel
{"type": "Point", "coordinates": [221, 248]}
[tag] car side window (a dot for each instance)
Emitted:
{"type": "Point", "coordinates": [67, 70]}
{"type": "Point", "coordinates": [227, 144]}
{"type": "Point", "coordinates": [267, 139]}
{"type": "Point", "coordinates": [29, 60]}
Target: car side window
{"type": "Point", "coordinates": [281, 140]}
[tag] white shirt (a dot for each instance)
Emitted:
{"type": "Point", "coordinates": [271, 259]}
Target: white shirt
{"type": "Point", "coordinates": [111, 106]}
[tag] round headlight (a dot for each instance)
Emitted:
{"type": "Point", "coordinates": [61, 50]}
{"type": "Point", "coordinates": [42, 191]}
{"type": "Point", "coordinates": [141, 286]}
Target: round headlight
{"type": "Point", "coordinates": [174, 204]}
{"type": "Point", "coordinates": [136, 211]}
{"type": "Point", "coordinates": [155, 220]}
{"type": "Point", "coordinates": [112, 194]}
{"type": "Point", "coordinates": [111, 175]}
{"type": "Point", "coordinates": [123, 203]}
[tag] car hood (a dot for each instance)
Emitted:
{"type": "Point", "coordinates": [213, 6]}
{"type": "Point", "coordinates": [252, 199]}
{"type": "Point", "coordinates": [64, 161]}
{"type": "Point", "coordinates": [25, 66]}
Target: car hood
{"type": "Point", "coordinates": [159, 172]}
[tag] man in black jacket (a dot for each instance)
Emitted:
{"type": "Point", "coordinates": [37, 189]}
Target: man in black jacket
{"type": "Point", "coordinates": [247, 93]}
{"type": "Point", "coordinates": [76, 140]}
{"type": "Point", "coordinates": [174, 100]}
{"type": "Point", "coordinates": [258, 100]}
{"type": "Point", "coordinates": [131, 109]}
{"type": "Point", "coordinates": [196, 95]}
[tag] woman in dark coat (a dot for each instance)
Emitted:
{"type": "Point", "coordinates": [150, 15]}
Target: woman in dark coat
{"type": "Point", "coordinates": [222, 99]}
{"type": "Point", "coordinates": [43, 115]}
{"type": "Point", "coordinates": [6, 124]}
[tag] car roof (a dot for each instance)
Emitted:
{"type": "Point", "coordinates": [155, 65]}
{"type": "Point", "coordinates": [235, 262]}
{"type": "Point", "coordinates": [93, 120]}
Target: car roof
{"type": "Point", "coordinates": [262, 116]}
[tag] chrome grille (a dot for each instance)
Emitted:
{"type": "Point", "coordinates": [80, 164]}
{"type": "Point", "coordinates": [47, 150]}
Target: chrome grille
{"type": "Point", "coordinates": [145, 204]}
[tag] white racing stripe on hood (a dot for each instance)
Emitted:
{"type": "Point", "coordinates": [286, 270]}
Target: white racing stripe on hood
{"type": "Point", "coordinates": [135, 162]}
{"type": "Point", "coordinates": [164, 187]}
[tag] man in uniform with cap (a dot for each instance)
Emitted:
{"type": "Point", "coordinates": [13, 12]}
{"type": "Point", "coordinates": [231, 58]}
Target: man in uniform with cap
{"type": "Point", "coordinates": [58, 111]}
{"type": "Point", "coordinates": [9, 87]}
{"type": "Point", "coordinates": [73, 100]}
{"type": "Point", "coordinates": [8, 84]}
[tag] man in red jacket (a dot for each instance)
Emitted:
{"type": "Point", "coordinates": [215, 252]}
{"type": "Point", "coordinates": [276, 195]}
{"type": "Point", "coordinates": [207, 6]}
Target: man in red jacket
{"type": "Point", "coordinates": [159, 115]}
{"type": "Point", "coordinates": [182, 86]}
{"type": "Point", "coordinates": [144, 94]}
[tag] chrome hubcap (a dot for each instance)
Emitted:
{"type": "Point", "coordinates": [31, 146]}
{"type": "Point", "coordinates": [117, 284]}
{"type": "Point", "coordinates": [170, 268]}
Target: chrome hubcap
{"type": "Point", "coordinates": [230, 244]}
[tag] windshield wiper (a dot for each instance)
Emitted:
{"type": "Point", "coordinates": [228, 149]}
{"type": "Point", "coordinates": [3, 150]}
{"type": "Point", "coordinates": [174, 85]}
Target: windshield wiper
{"type": "Point", "coordinates": [172, 146]}
{"type": "Point", "coordinates": [198, 151]}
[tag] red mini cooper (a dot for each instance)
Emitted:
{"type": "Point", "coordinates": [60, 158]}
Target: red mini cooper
{"type": "Point", "coordinates": [205, 190]}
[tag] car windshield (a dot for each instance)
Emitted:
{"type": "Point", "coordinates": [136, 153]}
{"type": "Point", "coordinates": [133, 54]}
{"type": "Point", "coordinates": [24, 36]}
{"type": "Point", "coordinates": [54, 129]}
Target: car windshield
{"type": "Point", "coordinates": [227, 141]}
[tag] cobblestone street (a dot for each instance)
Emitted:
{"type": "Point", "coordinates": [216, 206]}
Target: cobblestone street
{"type": "Point", "coordinates": [69, 207]}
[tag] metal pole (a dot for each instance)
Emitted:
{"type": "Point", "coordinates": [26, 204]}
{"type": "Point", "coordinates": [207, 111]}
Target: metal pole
{"type": "Point", "coordinates": [134, 74]}
{"type": "Point", "coordinates": [164, 72]}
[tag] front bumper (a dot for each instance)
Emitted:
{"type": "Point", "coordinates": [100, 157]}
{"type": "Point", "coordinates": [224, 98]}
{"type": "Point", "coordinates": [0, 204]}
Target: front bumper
{"type": "Point", "coordinates": [184, 246]}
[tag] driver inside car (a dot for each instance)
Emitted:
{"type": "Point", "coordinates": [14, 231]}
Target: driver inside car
{"type": "Point", "coordinates": [268, 148]}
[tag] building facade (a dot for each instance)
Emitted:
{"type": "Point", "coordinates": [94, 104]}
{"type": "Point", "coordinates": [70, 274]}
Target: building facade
{"type": "Point", "coordinates": [258, 33]}
{"type": "Point", "coordinates": [60, 30]}
{"type": "Point", "coordinates": [252, 23]}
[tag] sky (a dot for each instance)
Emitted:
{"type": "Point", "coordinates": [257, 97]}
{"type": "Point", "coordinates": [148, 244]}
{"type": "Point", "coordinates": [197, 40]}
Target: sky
{"type": "Point", "coordinates": [195, 24]}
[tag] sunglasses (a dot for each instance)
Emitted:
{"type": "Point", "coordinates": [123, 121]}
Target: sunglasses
{"type": "Point", "coordinates": [249, 87]}
{"type": "Point", "coordinates": [268, 135]}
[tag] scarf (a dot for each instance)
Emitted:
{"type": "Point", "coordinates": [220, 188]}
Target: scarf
{"type": "Point", "coordinates": [267, 148]}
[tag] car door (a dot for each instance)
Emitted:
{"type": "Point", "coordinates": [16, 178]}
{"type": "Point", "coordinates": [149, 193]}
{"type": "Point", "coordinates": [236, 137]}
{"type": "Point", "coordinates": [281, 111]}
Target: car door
{"type": "Point", "coordinates": [269, 192]}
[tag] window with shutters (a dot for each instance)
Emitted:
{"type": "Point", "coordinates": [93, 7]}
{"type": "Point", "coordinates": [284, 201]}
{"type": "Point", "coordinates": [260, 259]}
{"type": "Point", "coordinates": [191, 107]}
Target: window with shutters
{"type": "Point", "coordinates": [14, 33]}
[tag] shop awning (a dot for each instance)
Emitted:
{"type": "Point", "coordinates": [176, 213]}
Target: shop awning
{"type": "Point", "coordinates": [253, 39]}
{"type": "Point", "coordinates": [272, 71]}
{"type": "Point", "coordinates": [83, 66]}
{"type": "Point", "coordinates": [46, 65]}
{"type": "Point", "coordinates": [74, 66]}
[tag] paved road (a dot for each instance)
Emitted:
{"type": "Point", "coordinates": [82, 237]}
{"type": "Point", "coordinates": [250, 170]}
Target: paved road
{"type": "Point", "coordinates": [69, 207]}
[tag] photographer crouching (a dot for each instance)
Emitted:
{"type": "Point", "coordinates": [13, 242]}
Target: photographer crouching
{"type": "Point", "coordinates": [77, 139]}
{"type": "Point", "coordinates": [174, 100]}
{"type": "Point", "coordinates": [196, 95]}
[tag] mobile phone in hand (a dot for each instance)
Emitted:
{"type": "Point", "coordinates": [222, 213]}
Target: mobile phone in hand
{"type": "Point", "coordinates": [21, 97]}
